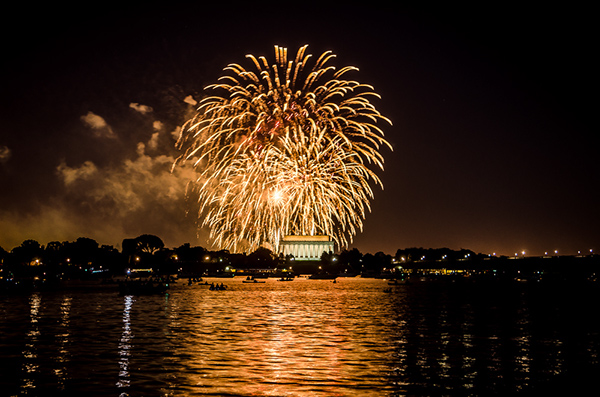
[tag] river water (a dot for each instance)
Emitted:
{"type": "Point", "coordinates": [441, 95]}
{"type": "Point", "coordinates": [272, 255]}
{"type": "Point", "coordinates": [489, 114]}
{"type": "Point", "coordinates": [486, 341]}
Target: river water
{"type": "Point", "coordinates": [305, 337]}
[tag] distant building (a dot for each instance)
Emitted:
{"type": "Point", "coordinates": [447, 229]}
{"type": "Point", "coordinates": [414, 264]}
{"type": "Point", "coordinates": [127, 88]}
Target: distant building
{"type": "Point", "coordinates": [306, 248]}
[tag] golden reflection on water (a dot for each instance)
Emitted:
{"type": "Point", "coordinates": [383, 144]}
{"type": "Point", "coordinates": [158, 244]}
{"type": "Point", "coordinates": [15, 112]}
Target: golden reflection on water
{"type": "Point", "coordinates": [30, 362]}
{"type": "Point", "coordinates": [249, 341]}
{"type": "Point", "coordinates": [125, 345]}
{"type": "Point", "coordinates": [308, 337]}
{"type": "Point", "coordinates": [63, 341]}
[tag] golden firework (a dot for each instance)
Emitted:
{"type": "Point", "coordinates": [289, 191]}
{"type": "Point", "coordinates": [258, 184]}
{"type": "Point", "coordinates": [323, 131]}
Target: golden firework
{"type": "Point", "coordinates": [284, 149]}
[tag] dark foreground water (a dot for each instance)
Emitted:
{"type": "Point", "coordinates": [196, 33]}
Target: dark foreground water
{"type": "Point", "coordinates": [305, 337]}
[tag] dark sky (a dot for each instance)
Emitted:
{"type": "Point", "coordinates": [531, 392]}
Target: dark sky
{"type": "Point", "coordinates": [491, 109]}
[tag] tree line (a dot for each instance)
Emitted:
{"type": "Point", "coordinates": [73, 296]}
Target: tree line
{"type": "Point", "coordinates": [85, 257]}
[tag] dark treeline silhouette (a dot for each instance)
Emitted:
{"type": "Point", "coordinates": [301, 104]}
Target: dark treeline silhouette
{"type": "Point", "coordinates": [424, 254]}
{"type": "Point", "coordinates": [86, 258]}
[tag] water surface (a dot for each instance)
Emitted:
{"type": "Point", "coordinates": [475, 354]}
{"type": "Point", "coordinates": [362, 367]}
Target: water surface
{"type": "Point", "coordinates": [305, 337]}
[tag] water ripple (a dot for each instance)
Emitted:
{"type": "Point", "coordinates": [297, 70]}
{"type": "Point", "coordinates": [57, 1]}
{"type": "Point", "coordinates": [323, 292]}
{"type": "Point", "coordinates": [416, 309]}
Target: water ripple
{"type": "Point", "coordinates": [307, 337]}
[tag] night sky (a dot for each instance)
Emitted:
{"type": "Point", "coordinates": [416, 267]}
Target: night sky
{"type": "Point", "coordinates": [491, 110]}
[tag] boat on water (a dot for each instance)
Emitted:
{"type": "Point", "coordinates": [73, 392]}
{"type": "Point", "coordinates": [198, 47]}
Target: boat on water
{"type": "Point", "coordinates": [285, 279]}
{"type": "Point", "coordinates": [252, 280]}
{"type": "Point", "coordinates": [398, 281]}
{"type": "Point", "coordinates": [198, 280]}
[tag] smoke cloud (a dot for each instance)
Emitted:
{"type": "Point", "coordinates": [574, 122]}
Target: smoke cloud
{"type": "Point", "coordinates": [4, 154]}
{"type": "Point", "coordinates": [135, 192]}
{"type": "Point", "coordinates": [140, 108]}
{"type": "Point", "coordinates": [98, 125]}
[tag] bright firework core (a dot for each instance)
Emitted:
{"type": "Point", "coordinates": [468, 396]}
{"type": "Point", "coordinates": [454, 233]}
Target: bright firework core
{"type": "Point", "coordinates": [284, 149]}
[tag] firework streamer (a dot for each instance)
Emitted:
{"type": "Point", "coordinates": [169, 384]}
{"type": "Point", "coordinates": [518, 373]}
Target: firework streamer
{"type": "Point", "coordinates": [284, 149]}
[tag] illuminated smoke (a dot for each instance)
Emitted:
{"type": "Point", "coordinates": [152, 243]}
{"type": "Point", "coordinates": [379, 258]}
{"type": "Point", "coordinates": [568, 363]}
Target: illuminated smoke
{"type": "Point", "coordinates": [4, 154]}
{"type": "Point", "coordinates": [98, 125]}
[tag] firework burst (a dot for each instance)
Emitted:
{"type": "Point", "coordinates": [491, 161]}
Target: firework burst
{"type": "Point", "coordinates": [284, 149]}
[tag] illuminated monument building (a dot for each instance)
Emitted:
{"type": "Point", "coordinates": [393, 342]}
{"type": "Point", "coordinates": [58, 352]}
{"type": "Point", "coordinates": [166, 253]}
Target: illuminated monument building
{"type": "Point", "coordinates": [306, 248]}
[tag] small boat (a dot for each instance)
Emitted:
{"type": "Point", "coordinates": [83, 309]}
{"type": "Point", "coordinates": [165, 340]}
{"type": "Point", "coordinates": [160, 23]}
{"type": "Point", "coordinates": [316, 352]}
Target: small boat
{"type": "Point", "coordinates": [285, 279]}
{"type": "Point", "coordinates": [252, 280]}
{"type": "Point", "coordinates": [193, 280]}
{"type": "Point", "coordinates": [395, 282]}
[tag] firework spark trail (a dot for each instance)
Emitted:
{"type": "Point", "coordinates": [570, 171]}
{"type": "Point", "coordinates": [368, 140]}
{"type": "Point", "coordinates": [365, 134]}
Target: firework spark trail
{"type": "Point", "coordinates": [282, 150]}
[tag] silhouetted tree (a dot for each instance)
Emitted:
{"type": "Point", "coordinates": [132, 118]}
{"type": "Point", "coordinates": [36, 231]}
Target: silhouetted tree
{"type": "Point", "coordinates": [53, 253]}
{"type": "Point", "coordinates": [149, 243]}
{"type": "Point", "coordinates": [187, 254]}
{"type": "Point", "coordinates": [109, 256]}
{"type": "Point", "coordinates": [382, 261]}
{"type": "Point", "coordinates": [222, 256]}
{"type": "Point", "coordinates": [351, 258]}
{"type": "Point", "coordinates": [27, 252]}
{"type": "Point", "coordinates": [238, 260]}
{"type": "Point", "coordinates": [128, 249]}
{"type": "Point", "coordinates": [263, 257]}
{"type": "Point", "coordinates": [82, 251]}
{"type": "Point", "coordinates": [368, 262]}
{"type": "Point", "coordinates": [327, 257]}
{"type": "Point", "coordinates": [434, 254]}
{"type": "Point", "coordinates": [165, 261]}
{"type": "Point", "coordinates": [3, 254]}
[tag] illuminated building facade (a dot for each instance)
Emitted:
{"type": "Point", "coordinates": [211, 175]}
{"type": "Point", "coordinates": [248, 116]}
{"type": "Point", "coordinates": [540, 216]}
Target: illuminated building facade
{"type": "Point", "coordinates": [306, 248]}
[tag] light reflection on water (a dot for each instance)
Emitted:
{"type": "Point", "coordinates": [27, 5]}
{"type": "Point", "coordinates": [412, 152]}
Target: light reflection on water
{"type": "Point", "coordinates": [306, 337]}
{"type": "Point", "coordinates": [125, 345]}
{"type": "Point", "coordinates": [62, 343]}
{"type": "Point", "coordinates": [30, 364]}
